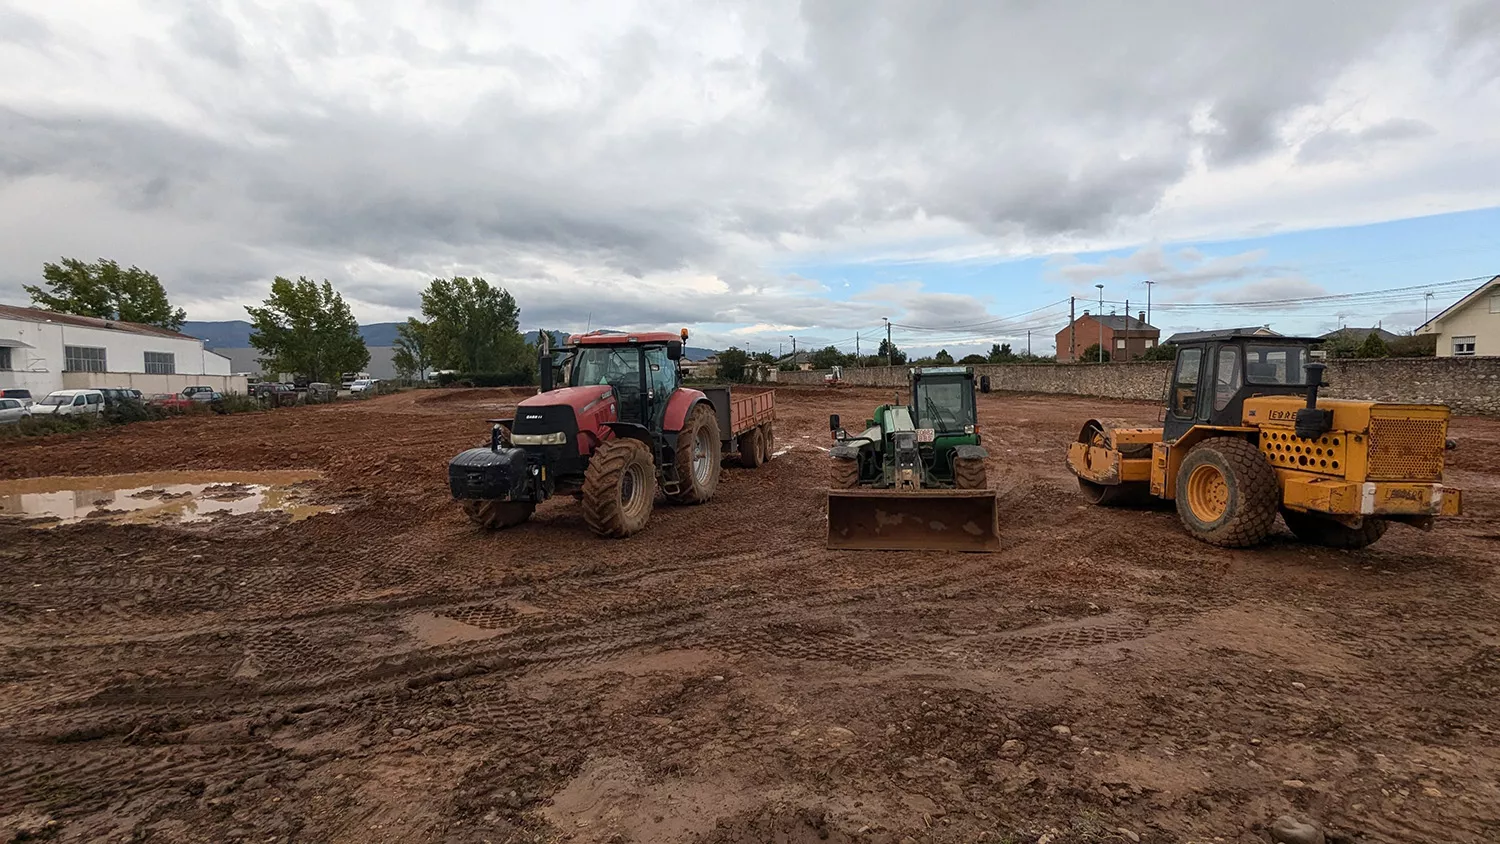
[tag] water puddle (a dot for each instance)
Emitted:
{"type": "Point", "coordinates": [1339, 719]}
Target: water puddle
{"type": "Point", "coordinates": [158, 497]}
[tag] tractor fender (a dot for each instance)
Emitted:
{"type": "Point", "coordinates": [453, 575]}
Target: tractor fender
{"type": "Point", "coordinates": [681, 403]}
{"type": "Point", "coordinates": [969, 452]}
{"type": "Point", "coordinates": [844, 452]}
{"type": "Point", "coordinates": [632, 431]}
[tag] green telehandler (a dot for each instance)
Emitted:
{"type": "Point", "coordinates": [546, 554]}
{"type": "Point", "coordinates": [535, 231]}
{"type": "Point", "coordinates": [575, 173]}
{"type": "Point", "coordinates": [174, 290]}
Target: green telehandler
{"type": "Point", "coordinates": [914, 479]}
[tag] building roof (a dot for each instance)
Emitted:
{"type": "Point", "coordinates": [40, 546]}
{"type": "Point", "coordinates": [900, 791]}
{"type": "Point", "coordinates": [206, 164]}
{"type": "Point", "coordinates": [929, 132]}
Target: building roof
{"type": "Point", "coordinates": [1255, 333]}
{"type": "Point", "coordinates": [1121, 322]}
{"type": "Point", "coordinates": [1461, 304]}
{"type": "Point", "coordinates": [1247, 331]}
{"type": "Point", "coordinates": [1351, 333]}
{"type": "Point", "coordinates": [58, 318]}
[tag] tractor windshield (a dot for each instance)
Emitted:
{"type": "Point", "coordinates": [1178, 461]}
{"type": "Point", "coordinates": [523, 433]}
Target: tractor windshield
{"type": "Point", "coordinates": [619, 366]}
{"type": "Point", "coordinates": [945, 405]}
{"type": "Point", "coordinates": [1280, 364]}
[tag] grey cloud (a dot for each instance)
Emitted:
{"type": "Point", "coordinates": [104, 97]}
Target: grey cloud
{"type": "Point", "coordinates": [1339, 144]}
{"type": "Point", "coordinates": [18, 27]}
{"type": "Point", "coordinates": [204, 31]}
{"type": "Point", "coordinates": [1192, 268]}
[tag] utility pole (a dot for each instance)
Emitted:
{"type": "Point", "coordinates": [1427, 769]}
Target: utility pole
{"type": "Point", "coordinates": [1127, 329]}
{"type": "Point", "coordinates": [1426, 300]}
{"type": "Point", "coordinates": [856, 350]}
{"type": "Point", "coordinates": [1100, 319]}
{"type": "Point", "coordinates": [1149, 282]}
{"type": "Point", "coordinates": [890, 350]}
{"type": "Point", "coordinates": [1072, 331]}
{"type": "Point", "coordinates": [1028, 342]}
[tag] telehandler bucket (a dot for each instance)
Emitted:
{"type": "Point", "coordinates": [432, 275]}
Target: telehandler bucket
{"type": "Point", "coordinates": [913, 520]}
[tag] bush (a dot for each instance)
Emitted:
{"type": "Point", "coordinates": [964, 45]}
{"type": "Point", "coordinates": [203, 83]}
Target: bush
{"type": "Point", "coordinates": [1091, 355]}
{"type": "Point", "coordinates": [236, 403]}
{"type": "Point", "coordinates": [1166, 351]}
{"type": "Point", "coordinates": [41, 426]}
{"type": "Point", "coordinates": [125, 412]}
{"type": "Point", "coordinates": [487, 379]}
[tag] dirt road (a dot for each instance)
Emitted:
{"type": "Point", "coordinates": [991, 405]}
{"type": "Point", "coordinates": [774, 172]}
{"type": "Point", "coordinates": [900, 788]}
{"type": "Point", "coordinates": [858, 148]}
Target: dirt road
{"type": "Point", "coordinates": [387, 673]}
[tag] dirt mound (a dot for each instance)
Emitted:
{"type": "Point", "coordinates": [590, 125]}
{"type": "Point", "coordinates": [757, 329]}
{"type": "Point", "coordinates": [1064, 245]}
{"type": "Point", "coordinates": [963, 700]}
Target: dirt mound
{"type": "Point", "coordinates": [463, 395]}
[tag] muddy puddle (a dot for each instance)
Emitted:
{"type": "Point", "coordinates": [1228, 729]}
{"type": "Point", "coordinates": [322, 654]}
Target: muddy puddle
{"type": "Point", "coordinates": [158, 497]}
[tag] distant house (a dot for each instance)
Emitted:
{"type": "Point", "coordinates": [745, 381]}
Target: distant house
{"type": "Point", "coordinates": [1124, 337]}
{"type": "Point", "coordinates": [1194, 336]}
{"type": "Point", "coordinates": [1359, 335]}
{"type": "Point", "coordinates": [801, 360]}
{"type": "Point", "coordinates": [1471, 326]}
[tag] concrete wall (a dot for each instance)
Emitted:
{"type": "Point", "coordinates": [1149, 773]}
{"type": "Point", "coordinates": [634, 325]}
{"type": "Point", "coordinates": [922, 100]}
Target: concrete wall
{"type": "Point", "coordinates": [39, 366]}
{"type": "Point", "coordinates": [1468, 385]}
{"type": "Point", "coordinates": [152, 384]}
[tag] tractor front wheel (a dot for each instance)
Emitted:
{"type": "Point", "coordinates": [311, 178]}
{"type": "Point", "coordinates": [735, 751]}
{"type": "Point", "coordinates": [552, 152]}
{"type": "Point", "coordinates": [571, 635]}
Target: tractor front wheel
{"type": "Point", "coordinates": [697, 457]}
{"type": "Point", "coordinates": [969, 473]}
{"type": "Point", "coordinates": [1227, 494]}
{"type": "Point", "coordinates": [843, 473]}
{"type": "Point", "coordinates": [1319, 530]}
{"type": "Point", "coordinates": [619, 488]}
{"type": "Point", "coordinates": [496, 515]}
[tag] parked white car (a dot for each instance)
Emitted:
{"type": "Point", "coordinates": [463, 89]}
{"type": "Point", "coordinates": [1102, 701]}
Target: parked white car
{"type": "Point", "coordinates": [12, 411]}
{"type": "Point", "coordinates": [69, 403]}
{"type": "Point", "coordinates": [365, 385]}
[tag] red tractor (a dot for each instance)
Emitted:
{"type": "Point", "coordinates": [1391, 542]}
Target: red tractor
{"type": "Point", "coordinates": [623, 427]}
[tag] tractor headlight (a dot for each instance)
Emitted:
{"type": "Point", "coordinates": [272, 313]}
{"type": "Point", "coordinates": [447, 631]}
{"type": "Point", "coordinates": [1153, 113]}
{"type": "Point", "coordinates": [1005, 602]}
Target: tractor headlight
{"type": "Point", "coordinates": [968, 429]}
{"type": "Point", "coordinates": [554, 438]}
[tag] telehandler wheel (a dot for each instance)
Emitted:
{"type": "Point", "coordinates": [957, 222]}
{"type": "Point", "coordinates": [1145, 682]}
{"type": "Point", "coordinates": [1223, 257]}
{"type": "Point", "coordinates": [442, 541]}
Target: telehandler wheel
{"type": "Point", "coordinates": [697, 458]}
{"type": "Point", "coordinates": [752, 448]}
{"type": "Point", "coordinates": [1227, 493]}
{"type": "Point", "coordinates": [843, 473]}
{"type": "Point", "coordinates": [495, 515]}
{"type": "Point", "coordinates": [619, 488]}
{"type": "Point", "coordinates": [1319, 530]}
{"type": "Point", "coordinates": [969, 474]}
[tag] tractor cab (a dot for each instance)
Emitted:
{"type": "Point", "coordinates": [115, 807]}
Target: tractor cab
{"type": "Point", "coordinates": [640, 368]}
{"type": "Point", "coordinates": [1215, 373]}
{"type": "Point", "coordinates": [942, 401]}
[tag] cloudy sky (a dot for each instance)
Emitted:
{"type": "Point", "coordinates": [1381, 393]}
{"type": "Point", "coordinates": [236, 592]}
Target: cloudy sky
{"type": "Point", "coordinates": [759, 169]}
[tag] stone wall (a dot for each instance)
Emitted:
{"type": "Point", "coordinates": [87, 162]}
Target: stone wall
{"type": "Point", "coordinates": [1470, 386]}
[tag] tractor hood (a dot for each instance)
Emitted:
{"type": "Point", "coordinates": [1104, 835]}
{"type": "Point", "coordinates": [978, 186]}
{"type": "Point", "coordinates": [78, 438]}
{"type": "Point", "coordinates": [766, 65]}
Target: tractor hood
{"type": "Point", "coordinates": [581, 399]}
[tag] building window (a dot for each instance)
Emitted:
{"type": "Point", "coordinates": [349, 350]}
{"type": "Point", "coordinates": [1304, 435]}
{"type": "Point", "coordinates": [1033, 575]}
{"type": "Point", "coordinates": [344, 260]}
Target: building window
{"type": "Point", "coordinates": [83, 359]}
{"type": "Point", "coordinates": [1120, 345]}
{"type": "Point", "coordinates": [161, 363]}
{"type": "Point", "coordinates": [1495, 303]}
{"type": "Point", "coordinates": [1150, 344]}
{"type": "Point", "coordinates": [5, 357]}
{"type": "Point", "coordinates": [1463, 346]}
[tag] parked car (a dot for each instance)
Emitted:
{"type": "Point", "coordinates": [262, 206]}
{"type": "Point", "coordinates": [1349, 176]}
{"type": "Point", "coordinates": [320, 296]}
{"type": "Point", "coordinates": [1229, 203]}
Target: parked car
{"type": "Point", "coordinates": [12, 411]}
{"type": "Point", "coordinates": [189, 392]}
{"type": "Point", "coordinates": [24, 396]}
{"type": "Point", "coordinates": [69, 403]}
{"type": "Point", "coordinates": [319, 392]}
{"type": "Point", "coordinates": [114, 396]}
{"type": "Point", "coordinates": [362, 386]}
{"type": "Point", "coordinates": [171, 401]}
{"type": "Point", "coordinates": [274, 394]}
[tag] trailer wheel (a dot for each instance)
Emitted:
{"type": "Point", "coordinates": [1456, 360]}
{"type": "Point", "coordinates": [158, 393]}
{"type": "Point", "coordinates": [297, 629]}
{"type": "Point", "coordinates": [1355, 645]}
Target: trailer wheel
{"type": "Point", "coordinates": [969, 473]}
{"type": "Point", "coordinates": [618, 488]}
{"type": "Point", "coordinates": [752, 448]}
{"type": "Point", "coordinates": [843, 473]}
{"type": "Point", "coordinates": [1227, 494]}
{"type": "Point", "coordinates": [497, 515]}
{"type": "Point", "coordinates": [768, 431]}
{"type": "Point", "coordinates": [697, 459]}
{"type": "Point", "coordinates": [1319, 530]}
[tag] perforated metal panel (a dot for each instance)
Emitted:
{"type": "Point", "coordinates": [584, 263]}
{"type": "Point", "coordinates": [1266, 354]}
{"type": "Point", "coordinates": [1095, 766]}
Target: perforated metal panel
{"type": "Point", "coordinates": [1406, 449]}
{"type": "Point", "coordinates": [1286, 450]}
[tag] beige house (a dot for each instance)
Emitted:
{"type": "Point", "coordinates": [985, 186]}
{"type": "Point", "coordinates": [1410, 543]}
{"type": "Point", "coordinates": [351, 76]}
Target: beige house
{"type": "Point", "coordinates": [1471, 326]}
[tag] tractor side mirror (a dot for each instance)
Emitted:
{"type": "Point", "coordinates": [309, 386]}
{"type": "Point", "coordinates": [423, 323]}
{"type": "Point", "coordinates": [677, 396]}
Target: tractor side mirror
{"type": "Point", "coordinates": [833, 422]}
{"type": "Point", "coordinates": [674, 350]}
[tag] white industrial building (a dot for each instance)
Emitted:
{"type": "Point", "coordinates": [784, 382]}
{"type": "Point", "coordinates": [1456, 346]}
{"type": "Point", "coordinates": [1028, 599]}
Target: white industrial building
{"type": "Point", "coordinates": [42, 351]}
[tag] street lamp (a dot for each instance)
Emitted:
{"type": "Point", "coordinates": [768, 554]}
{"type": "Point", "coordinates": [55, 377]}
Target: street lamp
{"type": "Point", "coordinates": [890, 351]}
{"type": "Point", "coordinates": [1100, 319]}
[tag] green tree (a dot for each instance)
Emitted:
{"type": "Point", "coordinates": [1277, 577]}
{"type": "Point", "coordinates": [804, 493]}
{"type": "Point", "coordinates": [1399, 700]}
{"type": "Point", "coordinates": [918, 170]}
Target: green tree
{"type": "Point", "coordinates": [1374, 347]}
{"type": "Point", "coordinates": [1001, 353]}
{"type": "Point", "coordinates": [1164, 351]}
{"type": "Point", "coordinates": [307, 328]}
{"type": "Point", "coordinates": [732, 364]}
{"type": "Point", "coordinates": [474, 327]}
{"type": "Point", "coordinates": [413, 355]}
{"type": "Point", "coordinates": [973, 360]}
{"type": "Point", "coordinates": [943, 358]}
{"type": "Point", "coordinates": [829, 357]}
{"type": "Point", "coordinates": [889, 353]}
{"type": "Point", "coordinates": [103, 290]}
{"type": "Point", "coordinates": [764, 357]}
{"type": "Point", "coordinates": [1091, 355]}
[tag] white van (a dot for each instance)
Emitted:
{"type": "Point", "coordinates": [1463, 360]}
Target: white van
{"type": "Point", "coordinates": [69, 403]}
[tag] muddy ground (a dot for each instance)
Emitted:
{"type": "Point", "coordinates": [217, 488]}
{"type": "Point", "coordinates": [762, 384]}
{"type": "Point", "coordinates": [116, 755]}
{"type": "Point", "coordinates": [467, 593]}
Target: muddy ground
{"type": "Point", "coordinates": [387, 673]}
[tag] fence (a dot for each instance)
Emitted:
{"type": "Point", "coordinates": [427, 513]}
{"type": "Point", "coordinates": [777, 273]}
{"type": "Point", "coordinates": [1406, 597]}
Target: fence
{"type": "Point", "coordinates": [1470, 386]}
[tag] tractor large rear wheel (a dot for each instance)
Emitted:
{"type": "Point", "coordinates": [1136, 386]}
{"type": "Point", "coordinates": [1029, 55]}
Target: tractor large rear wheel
{"type": "Point", "coordinates": [1320, 530]}
{"type": "Point", "coordinates": [496, 515]}
{"type": "Point", "coordinates": [619, 488]}
{"type": "Point", "coordinates": [1227, 494]}
{"type": "Point", "coordinates": [697, 457]}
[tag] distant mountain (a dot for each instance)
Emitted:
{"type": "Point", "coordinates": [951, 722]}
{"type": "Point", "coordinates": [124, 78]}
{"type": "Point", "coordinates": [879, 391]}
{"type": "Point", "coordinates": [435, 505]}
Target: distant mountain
{"type": "Point", "coordinates": [235, 334]}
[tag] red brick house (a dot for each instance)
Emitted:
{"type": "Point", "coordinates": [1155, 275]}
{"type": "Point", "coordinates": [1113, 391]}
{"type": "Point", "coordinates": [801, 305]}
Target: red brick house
{"type": "Point", "coordinates": [1125, 337]}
